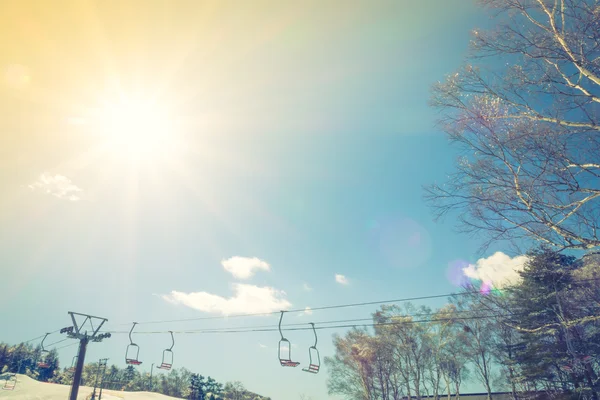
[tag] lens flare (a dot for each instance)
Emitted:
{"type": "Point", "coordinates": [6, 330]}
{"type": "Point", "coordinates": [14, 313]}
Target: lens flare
{"type": "Point", "coordinates": [401, 242]}
{"type": "Point", "coordinates": [486, 288]}
{"type": "Point", "coordinates": [455, 273]}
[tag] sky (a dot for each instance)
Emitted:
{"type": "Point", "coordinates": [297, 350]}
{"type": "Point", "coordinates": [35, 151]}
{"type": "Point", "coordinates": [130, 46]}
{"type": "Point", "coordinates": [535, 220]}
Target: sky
{"type": "Point", "coordinates": [168, 160]}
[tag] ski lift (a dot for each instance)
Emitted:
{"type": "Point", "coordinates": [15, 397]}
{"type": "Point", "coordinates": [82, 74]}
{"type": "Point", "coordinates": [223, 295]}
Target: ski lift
{"type": "Point", "coordinates": [71, 369]}
{"type": "Point", "coordinates": [10, 383]}
{"type": "Point", "coordinates": [167, 357]}
{"type": "Point", "coordinates": [131, 349]}
{"type": "Point", "coordinates": [285, 361]}
{"type": "Point", "coordinates": [313, 367]}
{"type": "Point", "coordinates": [43, 363]}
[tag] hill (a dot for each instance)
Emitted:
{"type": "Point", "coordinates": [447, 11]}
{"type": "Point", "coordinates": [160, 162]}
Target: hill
{"type": "Point", "coordinates": [30, 389]}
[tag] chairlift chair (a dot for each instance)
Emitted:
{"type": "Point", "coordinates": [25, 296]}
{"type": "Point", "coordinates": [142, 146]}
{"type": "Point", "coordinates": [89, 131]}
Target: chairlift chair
{"type": "Point", "coordinates": [167, 357]}
{"type": "Point", "coordinates": [314, 364]}
{"type": "Point", "coordinates": [286, 359]}
{"type": "Point", "coordinates": [71, 369]}
{"type": "Point", "coordinates": [133, 350]}
{"type": "Point", "coordinates": [43, 363]}
{"type": "Point", "coordinates": [10, 383]}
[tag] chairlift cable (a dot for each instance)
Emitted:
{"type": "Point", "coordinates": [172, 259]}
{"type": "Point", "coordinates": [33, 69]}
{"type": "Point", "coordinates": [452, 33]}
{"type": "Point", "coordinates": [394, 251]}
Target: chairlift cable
{"type": "Point", "coordinates": [275, 329]}
{"type": "Point", "coordinates": [60, 341]}
{"type": "Point", "coordinates": [312, 309]}
{"type": "Point", "coordinates": [39, 337]}
{"type": "Point", "coordinates": [337, 306]}
{"type": "Point", "coordinates": [218, 330]}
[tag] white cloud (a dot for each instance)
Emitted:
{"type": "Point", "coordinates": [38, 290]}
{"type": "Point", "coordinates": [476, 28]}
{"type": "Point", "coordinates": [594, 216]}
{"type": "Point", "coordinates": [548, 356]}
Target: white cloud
{"type": "Point", "coordinates": [341, 279]}
{"type": "Point", "coordinates": [244, 267]}
{"type": "Point", "coordinates": [307, 311]}
{"type": "Point", "coordinates": [57, 185]}
{"type": "Point", "coordinates": [306, 287]}
{"type": "Point", "coordinates": [262, 346]}
{"type": "Point", "coordinates": [499, 269]}
{"type": "Point", "coordinates": [246, 299]}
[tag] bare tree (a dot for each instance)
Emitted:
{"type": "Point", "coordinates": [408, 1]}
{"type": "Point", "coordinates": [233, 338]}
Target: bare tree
{"type": "Point", "coordinates": [412, 347]}
{"type": "Point", "coordinates": [530, 129]}
{"type": "Point", "coordinates": [441, 337]}
{"type": "Point", "coordinates": [351, 369]}
{"type": "Point", "coordinates": [479, 339]}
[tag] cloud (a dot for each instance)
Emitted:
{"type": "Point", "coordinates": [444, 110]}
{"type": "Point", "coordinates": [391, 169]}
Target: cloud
{"type": "Point", "coordinates": [58, 185]}
{"type": "Point", "coordinates": [499, 269]}
{"type": "Point", "coordinates": [244, 267]}
{"type": "Point", "coordinates": [307, 311]}
{"type": "Point", "coordinates": [262, 346]}
{"type": "Point", "coordinates": [307, 288]}
{"type": "Point", "coordinates": [247, 299]}
{"type": "Point", "coordinates": [341, 279]}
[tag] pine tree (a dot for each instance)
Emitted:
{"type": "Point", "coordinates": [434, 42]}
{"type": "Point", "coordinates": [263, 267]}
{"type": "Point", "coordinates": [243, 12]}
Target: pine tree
{"type": "Point", "coordinates": [558, 330]}
{"type": "Point", "coordinates": [194, 387]}
{"type": "Point", "coordinates": [214, 388]}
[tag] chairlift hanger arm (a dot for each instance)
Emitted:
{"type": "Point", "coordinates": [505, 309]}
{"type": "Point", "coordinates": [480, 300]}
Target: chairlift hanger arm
{"type": "Point", "coordinates": [281, 319]}
{"type": "Point", "coordinates": [42, 344]}
{"type": "Point", "coordinates": [172, 341]}
{"type": "Point", "coordinates": [131, 331]}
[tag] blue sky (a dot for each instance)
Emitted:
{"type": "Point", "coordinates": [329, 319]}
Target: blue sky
{"type": "Point", "coordinates": [304, 139]}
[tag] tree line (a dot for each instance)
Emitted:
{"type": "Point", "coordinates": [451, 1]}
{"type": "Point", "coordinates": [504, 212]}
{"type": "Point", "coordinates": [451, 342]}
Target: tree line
{"type": "Point", "coordinates": [540, 335]}
{"type": "Point", "coordinates": [178, 382]}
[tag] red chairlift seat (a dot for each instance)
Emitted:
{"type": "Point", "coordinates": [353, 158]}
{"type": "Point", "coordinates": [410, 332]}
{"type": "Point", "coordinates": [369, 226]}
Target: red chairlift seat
{"type": "Point", "coordinates": [43, 364]}
{"type": "Point", "coordinates": [132, 361]}
{"type": "Point", "coordinates": [165, 366]}
{"type": "Point", "coordinates": [288, 363]}
{"type": "Point", "coordinates": [312, 368]}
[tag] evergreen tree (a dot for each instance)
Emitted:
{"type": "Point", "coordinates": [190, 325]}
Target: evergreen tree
{"type": "Point", "coordinates": [214, 388]}
{"type": "Point", "coordinates": [194, 387]}
{"type": "Point", "coordinates": [556, 328]}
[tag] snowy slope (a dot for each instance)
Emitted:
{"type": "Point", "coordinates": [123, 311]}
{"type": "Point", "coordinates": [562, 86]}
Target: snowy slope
{"type": "Point", "coordinates": [30, 389]}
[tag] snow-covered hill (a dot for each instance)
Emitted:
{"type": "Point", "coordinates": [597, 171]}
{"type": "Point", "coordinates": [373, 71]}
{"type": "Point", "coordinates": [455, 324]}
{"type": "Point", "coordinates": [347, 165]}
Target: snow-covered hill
{"type": "Point", "coordinates": [30, 389]}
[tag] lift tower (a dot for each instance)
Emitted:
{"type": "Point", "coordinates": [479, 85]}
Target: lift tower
{"type": "Point", "coordinates": [83, 329]}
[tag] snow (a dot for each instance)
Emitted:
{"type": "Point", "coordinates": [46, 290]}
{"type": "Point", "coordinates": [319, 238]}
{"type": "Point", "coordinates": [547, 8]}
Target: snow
{"type": "Point", "coordinates": [30, 389]}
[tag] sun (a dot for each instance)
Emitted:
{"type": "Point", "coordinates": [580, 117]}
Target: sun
{"type": "Point", "coordinates": [136, 129]}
